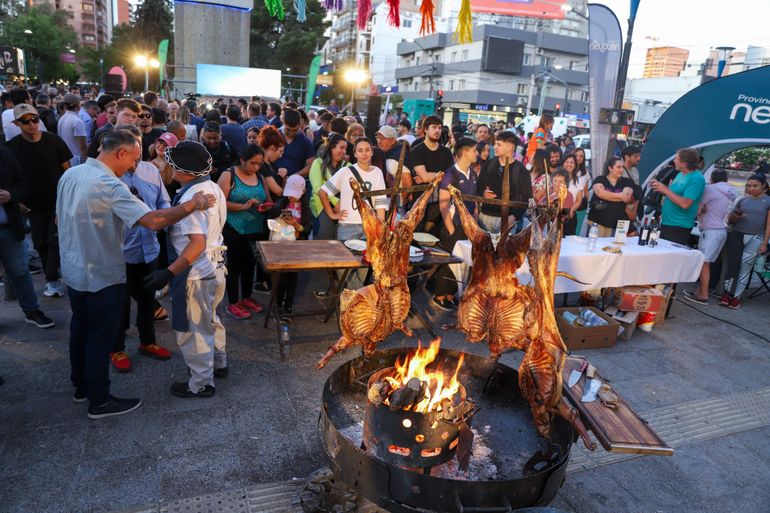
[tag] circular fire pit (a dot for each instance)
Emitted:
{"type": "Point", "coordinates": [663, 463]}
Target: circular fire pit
{"type": "Point", "coordinates": [510, 467]}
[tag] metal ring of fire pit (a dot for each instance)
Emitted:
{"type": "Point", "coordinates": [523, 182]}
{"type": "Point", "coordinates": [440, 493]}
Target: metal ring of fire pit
{"type": "Point", "coordinates": [401, 490]}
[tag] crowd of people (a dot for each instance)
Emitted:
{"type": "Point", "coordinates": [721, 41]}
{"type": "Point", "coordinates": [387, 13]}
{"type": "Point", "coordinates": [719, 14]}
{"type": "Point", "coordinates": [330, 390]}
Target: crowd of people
{"type": "Point", "coordinates": [129, 199]}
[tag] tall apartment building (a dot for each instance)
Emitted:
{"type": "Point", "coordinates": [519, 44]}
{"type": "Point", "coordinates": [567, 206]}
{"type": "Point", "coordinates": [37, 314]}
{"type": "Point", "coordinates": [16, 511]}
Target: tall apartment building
{"type": "Point", "coordinates": [92, 20]}
{"type": "Point", "coordinates": [665, 61]}
{"type": "Point", "coordinates": [121, 10]}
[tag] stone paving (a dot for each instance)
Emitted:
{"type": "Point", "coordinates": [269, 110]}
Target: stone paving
{"type": "Point", "coordinates": [702, 382]}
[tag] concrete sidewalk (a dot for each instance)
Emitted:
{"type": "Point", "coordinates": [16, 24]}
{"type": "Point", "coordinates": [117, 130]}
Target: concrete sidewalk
{"type": "Point", "coordinates": [703, 383]}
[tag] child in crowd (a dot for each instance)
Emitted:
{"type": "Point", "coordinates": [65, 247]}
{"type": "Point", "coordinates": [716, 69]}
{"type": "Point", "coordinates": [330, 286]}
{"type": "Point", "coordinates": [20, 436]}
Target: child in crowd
{"type": "Point", "coordinates": [295, 212]}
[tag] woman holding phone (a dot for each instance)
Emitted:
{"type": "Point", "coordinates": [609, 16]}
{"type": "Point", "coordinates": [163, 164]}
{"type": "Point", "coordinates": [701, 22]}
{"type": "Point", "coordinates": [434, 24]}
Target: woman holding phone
{"type": "Point", "coordinates": [248, 196]}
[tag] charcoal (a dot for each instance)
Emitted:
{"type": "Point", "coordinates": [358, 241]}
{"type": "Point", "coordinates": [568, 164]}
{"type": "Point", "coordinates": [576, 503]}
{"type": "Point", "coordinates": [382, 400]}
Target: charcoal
{"type": "Point", "coordinates": [403, 398]}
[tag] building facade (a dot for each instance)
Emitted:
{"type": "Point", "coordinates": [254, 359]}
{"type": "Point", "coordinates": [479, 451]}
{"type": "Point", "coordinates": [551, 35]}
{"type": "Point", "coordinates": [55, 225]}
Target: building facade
{"type": "Point", "coordinates": [665, 61]}
{"type": "Point", "coordinates": [499, 76]}
{"type": "Point", "coordinates": [92, 20]}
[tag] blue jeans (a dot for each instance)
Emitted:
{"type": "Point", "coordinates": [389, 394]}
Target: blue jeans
{"type": "Point", "coordinates": [96, 322]}
{"type": "Point", "coordinates": [15, 260]}
{"type": "Point", "coordinates": [350, 231]}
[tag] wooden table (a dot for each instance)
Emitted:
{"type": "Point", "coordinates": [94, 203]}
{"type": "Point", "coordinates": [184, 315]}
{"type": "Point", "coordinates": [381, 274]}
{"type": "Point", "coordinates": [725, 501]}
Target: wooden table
{"type": "Point", "coordinates": [618, 430]}
{"type": "Point", "coordinates": [291, 256]}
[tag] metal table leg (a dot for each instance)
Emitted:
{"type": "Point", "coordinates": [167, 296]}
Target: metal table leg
{"type": "Point", "coordinates": [419, 287]}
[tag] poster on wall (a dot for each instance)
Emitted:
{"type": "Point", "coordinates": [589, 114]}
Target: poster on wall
{"type": "Point", "coordinates": [551, 10]}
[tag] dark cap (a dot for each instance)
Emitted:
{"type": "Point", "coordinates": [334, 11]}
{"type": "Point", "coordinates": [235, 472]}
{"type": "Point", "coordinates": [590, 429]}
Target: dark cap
{"type": "Point", "coordinates": [189, 157]}
{"type": "Point", "coordinates": [105, 100]}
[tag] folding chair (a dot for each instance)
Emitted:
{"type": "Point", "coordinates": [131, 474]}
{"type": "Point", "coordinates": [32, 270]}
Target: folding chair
{"type": "Point", "coordinates": [764, 279]}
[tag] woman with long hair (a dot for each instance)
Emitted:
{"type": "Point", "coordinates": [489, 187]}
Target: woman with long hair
{"type": "Point", "coordinates": [584, 178]}
{"type": "Point", "coordinates": [191, 131]}
{"type": "Point", "coordinates": [539, 138]}
{"type": "Point", "coordinates": [750, 221]}
{"type": "Point", "coordinates": [611, 193]}
{"type": "Point", "coordinates": [245, 189]}
{"type": "Point", "coordinates": [482, 149]}
{"type": "Point", "coordinates": [272, 143]}
{"type": "Point", "coordinates": [575, 187]}
{"type": "Point", "coordinates": [331, 158]}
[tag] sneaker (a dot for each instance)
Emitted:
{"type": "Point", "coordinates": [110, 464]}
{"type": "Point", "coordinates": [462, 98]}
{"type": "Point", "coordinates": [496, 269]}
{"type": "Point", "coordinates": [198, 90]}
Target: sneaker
{"type": "Point", "coordinates": [221, 373]}
{"type": "Point", "coordinates": [735, 303]}
{"type": "Point", "coordinates": [183, 390]}
{"type": "Point", "coordinates": [80, 396]}
{"type": "Point", "coordinates": [39, 319]}
{"type": "Point", "coordinates": [238, 311]}
{"type": "Point", "coordinates": [121, 361]}
{"type": "Point", "coordinates": [53, 289]}
{"type": "Point", "coordinates": [155, 351]}
{"type": "Point", "coordinates": [252, 305]}
{"type": "Point", "coordinates": [691, 297]}
{"type": "Point", "coordinates": [115, 406]}
{"type": "Point", "coordinates": [725, 300]}
{"type": "Point", "coordinates": [262, 288]}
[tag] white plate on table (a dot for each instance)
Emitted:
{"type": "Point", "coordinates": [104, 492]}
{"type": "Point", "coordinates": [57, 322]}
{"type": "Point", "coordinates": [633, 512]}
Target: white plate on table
{"type": "Point", "coordinates": [356, 245]}
{"type": "Point", "coordinates": [415, 254]}
{"type": "Point", "coordinates": [426, 239]}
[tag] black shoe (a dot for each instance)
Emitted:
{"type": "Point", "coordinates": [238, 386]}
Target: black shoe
{"type": "Point", "coordinates": [115, 406]}
{"type": "Point", "coordinates": [690, 296]}
{"type": "Point", "coordinates": [80, 396]}
{"type": "Point", "coordinates": [35, 269]}
{"type": "Point", "coordinates": [39, 319]}
{"type": "Point", "coordinates": [183, 390]}
{"type": "Point", "coordinates": [220, 373]}
{"type": "Point", "coordinates": [261, 288]}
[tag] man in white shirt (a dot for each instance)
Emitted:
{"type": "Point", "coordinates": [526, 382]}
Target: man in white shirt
{"type": "Point", "coordinates": [18, 96]}
{"type": "Point", "coordinates": [197, 273]}
{"type": "Point", "coordinates": [405, 131]}
{"type": "Point", "coordinates": [72, 129]}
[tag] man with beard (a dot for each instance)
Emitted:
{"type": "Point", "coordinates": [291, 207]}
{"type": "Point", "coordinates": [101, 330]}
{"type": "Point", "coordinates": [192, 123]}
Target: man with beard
{"type": "Point", "coordinates": [222, 154]}
{"type": "Point", "coordinates": [149, 134]}
{"type": "Point", "coordinates": [428, 159]}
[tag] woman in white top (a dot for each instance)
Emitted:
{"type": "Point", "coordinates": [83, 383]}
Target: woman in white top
{"type": "Point", "coordinates": [371, 178]}
{"type": "Point", "coordinates": [576, 186]}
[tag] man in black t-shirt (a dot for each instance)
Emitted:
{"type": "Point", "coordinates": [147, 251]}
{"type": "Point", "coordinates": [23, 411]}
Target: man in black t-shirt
{"type": "Point", "coordinates": [44, 157]}
{"type": "Point", "coordinates": [490, 183]}
{"type": "Point", "coordinates": [149, 134]}
{"type": "Point", "coordinates": [222, 154]}
{"type": "Point", "coordinates": [428, 159]}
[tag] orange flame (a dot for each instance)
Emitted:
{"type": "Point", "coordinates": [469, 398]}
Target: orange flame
{"type": "Point", "coordinates": [415, 366]}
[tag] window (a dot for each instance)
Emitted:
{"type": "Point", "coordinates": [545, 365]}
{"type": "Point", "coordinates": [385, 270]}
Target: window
{"type": "Point", "coordinates": [454, 57]}
{"type": "Point", "coordinates": [406, 23]}
{"type": "Point", "coordinates": [465, 55]}
{"type": "Point", "coordinates": [87, 7]}
{"type": "Point", "coordinates": [89, 38]}
{"type": "Point", "coordinates": [462, 85]}
{"type": "Point", "coordinates": [548, 62]}
{"type": "Point", "coordinates": [522, 89]}
{"type": "Point", "coordinates": [526, 59]}
{"type": "Point", "coordinates": [451, 85]}
{"type": "Point", "coordinates": [437, 56]}
{"type": "Point", "coordinates": [417, 61]}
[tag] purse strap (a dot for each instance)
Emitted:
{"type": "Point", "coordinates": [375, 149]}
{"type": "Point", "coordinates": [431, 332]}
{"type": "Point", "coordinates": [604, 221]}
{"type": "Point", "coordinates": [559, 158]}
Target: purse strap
{"type": "Point", "coordinates": [361, 182]}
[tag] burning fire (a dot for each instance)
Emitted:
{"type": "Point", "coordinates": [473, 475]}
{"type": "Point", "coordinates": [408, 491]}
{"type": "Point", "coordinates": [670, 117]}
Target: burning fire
{"type": "Point", "coordinates": [438, 387]}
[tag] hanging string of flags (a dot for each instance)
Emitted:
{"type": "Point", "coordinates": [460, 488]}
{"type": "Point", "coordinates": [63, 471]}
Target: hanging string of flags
{"type": "Point", "coordinates": [463, 32]}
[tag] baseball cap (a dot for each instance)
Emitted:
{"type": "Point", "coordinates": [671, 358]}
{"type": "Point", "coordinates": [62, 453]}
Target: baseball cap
{"type": "Point", "coordinates": [388, 132]}
{"type": "Point", "coordinates": [295, 186]}
{"type": "Point", "coordinates": [170, 139]}
{"type": "Point", "coordinates": [23, 109]}
{"type": "Point", "coordinates": [71, 99]}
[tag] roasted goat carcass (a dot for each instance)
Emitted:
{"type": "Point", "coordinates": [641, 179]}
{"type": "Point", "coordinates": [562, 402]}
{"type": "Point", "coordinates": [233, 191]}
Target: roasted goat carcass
{"type": "Point", "coordinates": [509, 315]}
{"type": "Point", "coordinates": [368, 315]}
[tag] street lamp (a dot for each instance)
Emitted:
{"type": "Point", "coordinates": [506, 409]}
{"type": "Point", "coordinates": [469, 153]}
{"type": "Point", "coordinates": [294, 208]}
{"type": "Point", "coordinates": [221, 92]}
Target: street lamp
{"type": "Point", "coordinates": [432, 65]}
{"type": "Point", "coordinates": [146, 62]}
{"type": "Point", "coordinates": [355, 77]}
{"type": "Point", "coordinates": [724, 53]}
{"type": "Point", "coordinates": [27, 31]}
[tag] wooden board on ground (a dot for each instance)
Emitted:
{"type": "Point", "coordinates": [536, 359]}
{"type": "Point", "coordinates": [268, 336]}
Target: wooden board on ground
{"type": "Point", "coordinates": [306, 255]}
{"type": "Point", "coordinates": [618, 430]}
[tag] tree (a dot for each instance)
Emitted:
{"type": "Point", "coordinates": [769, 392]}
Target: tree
{"type": "Point", "coordinates": [152, 23]}
{"type": "Point", "coordinates": [285, 44]}
{"type": "Point", "coordinates": [50, 36]}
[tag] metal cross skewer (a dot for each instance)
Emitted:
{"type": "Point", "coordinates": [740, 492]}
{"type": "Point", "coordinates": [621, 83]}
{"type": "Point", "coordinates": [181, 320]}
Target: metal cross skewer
{"type": "Point", "coordinates": [394, 200]}
{"type": "Point", "coordinates": [504, 228]}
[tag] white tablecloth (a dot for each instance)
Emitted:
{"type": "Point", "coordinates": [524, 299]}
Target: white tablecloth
{"type": "Point", "coordinates": [638, 265]}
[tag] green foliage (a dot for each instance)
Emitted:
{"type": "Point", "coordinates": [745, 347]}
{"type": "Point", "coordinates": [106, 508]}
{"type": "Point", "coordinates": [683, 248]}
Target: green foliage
{"type": "Point", "coordinates": [750, 157]}
{"type": "Point", "coordinates": [286, 44]}
{"type": "Point", "coordinates": [51, 35]}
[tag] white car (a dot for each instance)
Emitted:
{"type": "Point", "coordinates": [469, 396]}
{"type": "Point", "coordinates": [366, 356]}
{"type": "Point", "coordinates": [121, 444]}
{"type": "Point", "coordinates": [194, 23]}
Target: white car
{"type": "Point", "coordinates": [584, 141]}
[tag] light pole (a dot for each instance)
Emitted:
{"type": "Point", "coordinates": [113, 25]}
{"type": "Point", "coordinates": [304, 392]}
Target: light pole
{"type": "Point", "coordinates": [724, 52]}
{"type": "Point", "coordinates": [620, 86]}
{"type": "Point", "coordinates": [355, 76]}
{"type": "Point", "coordinates": [432, 66]}
{"type": "Point", "coordinates": [144, 61]}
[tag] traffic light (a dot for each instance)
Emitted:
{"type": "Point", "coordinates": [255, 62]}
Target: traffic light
{"type": "Point", "coordinates": [439, 99]}
{"type": "Point", "coordinates": [558, 109]}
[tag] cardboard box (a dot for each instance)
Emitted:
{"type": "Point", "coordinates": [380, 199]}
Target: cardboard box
{"type": "Point", "coordinates": [626, 320]}
{"type": "Point", "coordinates": [639, 299]}
{"type": "Point", "coordinates": [587, 337]}
{"type": "Point", "coordinates": [668, 292]}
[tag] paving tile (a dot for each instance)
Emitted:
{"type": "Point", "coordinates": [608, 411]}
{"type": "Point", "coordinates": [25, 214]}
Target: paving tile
{"type": "Point", "coordinates": [109, 484]}
{"type": "Point", "coordinates": [48, 488]}
{"type": "Point", "coordinates": [38, 447]}
{"type": "Point", "coordinates": [200, 471]}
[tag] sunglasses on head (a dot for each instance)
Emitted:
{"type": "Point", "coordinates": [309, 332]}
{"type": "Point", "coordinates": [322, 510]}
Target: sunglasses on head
{"type": "Point", "coordinates": [33, 119]}
{"type": "Point", "coordinates": [145, 116]}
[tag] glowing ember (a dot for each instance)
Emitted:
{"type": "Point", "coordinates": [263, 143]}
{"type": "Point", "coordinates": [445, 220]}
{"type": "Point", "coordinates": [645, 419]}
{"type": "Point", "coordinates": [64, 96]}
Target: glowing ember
{"type": "Point", "coordinates": [439, 387]}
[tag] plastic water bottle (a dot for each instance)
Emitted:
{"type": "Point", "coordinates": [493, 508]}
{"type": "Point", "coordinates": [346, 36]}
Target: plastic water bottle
{"type": "Point", "coordinates": [591, 318]}
{"type": "Point", "coordinates": [285, 333]}
{"type": "Point", "coordinates": [593, 237]}
{"type": "Point", "coordinates": [573, 319]}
